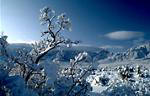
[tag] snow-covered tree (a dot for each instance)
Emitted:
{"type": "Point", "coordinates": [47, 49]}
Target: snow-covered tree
{"type": "Point", "coordinates": [41, 76]}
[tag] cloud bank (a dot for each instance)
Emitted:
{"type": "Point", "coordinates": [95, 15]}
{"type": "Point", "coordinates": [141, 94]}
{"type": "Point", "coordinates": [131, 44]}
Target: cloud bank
{"type": "Point", "coordinates": [124, 35]}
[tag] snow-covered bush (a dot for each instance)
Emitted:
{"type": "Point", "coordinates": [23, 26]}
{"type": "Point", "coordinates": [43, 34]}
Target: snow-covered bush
{"type": "Point", "coordinates": [122, 81]}
{"type": "Point", "coordinates": [13, 85]}
{"type": "Point", "coordinates": [72, 80]}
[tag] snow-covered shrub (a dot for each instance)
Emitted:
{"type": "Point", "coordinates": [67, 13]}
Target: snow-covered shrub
{"type": "Point", "coordinates": [124, 73]}
{"type": "Point", "coordinates": [104, 81]}
{"type": "Point", "coordinates": [134, 85]}
{"type": "Point", "coordinates": [3, 44]}
{"type": "Point", "coordinates": [72, 80]}
{"type": "Point", "coordinates": [13, 85]}
{"type": "Point", "coordinates": [119, 89]}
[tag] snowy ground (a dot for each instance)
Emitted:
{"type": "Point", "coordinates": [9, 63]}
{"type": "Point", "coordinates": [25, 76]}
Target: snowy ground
{"type": "Point", "coordinates": [107, 81]}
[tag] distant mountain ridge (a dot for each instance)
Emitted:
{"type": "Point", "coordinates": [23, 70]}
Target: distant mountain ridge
{"type": "Point", "coordinates": [138, 52]}
{"type": "Point", "coordinates": [95, 54]}
{"type": "Point", "coordinates": [65, 54]}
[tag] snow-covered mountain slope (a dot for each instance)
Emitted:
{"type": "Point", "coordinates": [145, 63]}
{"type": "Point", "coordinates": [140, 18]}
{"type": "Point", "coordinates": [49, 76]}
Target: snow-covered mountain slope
{"type": "Point", "coordinates": [65, 54]}
{"type": "Point", "coordinates": [12, 48]}
{"type": "Point", "coordinates": [139, 52]}
{"type": "Point", "coordinates": [95, 54]}
{"type": "Point", "coordinates": [16, 46]}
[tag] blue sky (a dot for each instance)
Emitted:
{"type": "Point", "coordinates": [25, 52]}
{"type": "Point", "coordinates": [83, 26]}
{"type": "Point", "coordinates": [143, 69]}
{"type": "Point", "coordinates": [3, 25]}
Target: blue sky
{"type": "Point", "coordinates": [106, 23]}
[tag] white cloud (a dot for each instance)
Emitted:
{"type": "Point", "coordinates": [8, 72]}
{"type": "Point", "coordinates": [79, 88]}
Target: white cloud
{"type": "Point", "coordinates": [124, 35]}
{"type": "Point", "coordinates": [112, 47]}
